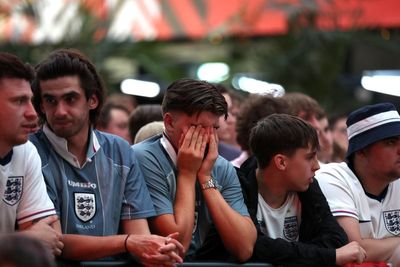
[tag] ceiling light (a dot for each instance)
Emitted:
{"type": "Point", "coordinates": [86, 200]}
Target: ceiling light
{"type": "Point", "coordinates": [140, 88]}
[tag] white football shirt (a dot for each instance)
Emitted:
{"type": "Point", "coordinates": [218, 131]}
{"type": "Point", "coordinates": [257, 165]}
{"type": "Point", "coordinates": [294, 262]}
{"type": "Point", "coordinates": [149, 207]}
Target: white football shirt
{"type": "Point", "coordinates": [346, 197]}
{"type": "Point", "coordinates": [22, 188]}
{"type": "Point", "coordinates": [283, 222]}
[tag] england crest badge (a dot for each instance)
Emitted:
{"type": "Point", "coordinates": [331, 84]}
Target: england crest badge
{"type": "Point", "coordinates": [392, 221]}
{"type": "Point", "coordinates": [290, 228]}
{"type": "Point", "coordinates": [13, 190]}
{"type": "Point", "coordinates": [85, 206]}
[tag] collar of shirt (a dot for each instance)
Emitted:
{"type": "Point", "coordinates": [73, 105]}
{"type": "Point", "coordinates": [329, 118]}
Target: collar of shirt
{"type": "Point", "coordinates": [169, 148]}
{"type": "Point", "coordinates": [7, 158]}
{"type": "Point", "coordinates": [60, 145]}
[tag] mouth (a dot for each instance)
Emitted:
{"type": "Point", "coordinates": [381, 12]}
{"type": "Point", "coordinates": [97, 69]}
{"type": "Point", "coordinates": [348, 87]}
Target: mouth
{"type": "Point", "coordinates": [31, 127]}
{"type": "Point", "coordinates": [60, 123]}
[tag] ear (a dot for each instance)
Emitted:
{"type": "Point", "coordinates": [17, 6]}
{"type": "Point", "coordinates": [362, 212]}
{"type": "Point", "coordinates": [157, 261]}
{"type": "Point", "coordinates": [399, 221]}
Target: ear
{"type": "Point", "coordinates": [280, 162]}
{"type": "Point", "coordinates": [93, 102]}
{"type": "Point", "coordinates": [168, 122]}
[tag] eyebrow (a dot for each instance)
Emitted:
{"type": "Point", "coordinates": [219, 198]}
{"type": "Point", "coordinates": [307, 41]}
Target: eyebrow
{"type": "Point", "coordinates": [62, 96]}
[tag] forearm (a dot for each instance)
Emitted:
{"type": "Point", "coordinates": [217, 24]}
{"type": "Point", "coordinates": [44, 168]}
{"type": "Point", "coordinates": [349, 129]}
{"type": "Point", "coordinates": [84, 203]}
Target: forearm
{"type": "Point", "coordinates": [184, 208]}
{"type": "Point", "coordinates": [380, 249]}
{"type": "Point", "coordinates": [237, 232]}
{"type": "Point", "coordinates": [181, 220]}
{"type": "Point", "coordinates": [82, 247]}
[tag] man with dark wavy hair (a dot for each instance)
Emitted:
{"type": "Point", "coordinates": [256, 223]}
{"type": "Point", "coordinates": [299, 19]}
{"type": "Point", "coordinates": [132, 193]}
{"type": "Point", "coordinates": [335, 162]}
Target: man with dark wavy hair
{"type": "Point", "coordinates": [193, 189]}
{"type": "Point", "coordinates": [92, 177]}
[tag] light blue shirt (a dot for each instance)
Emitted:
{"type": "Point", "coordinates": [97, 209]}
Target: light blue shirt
{"type": "Point", "coordinates": [157, 160]}
{"type": "Point", "coordinates": [93, 198]}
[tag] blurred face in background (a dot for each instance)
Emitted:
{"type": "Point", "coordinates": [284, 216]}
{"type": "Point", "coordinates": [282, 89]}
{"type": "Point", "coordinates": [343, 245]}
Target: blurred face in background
{"type": "Point", "coordinates": [339, 133]}
{"type": "Point", "coordinates": [227, 128]}
{"type": "Point", "coordinates": [324, 138]}
{"type": "Point", "coordinates": [118, 124]}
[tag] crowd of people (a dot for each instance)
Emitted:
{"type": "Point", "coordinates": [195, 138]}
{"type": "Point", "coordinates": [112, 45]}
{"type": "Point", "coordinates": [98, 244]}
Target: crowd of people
{"type": "Point", "coordinates": [204, 176]}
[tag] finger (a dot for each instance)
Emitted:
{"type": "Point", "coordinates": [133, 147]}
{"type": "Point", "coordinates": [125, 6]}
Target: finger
{"type": "Point", "coordinates": [215, 135]}
{"type": "Point", "coordinates": [157, 259]}
{"type": "Point", "coordinates": [200, 140]}
{"type": "Point", "coordinates": [175, 257]}
{"type": "Point", "coordinates": [49, 220]}
{"type": "Point", "coordinates": [60, 245]}
{"type": "Point", "coordinates": [188, 137]}
{"type": "Point", "coordinates": [167, 248]}
{"type": "Point", "coordinates": [212, 149]}
{"type": "Point", "coordinates": [195, 136]}
{"type": "Point", "coordinates": [181, 139]}
{"type": "Point", "coordinates": [174, 235]}
{"type": "Point", "coordinates": [178, 246]}
{"type": "Point", "coordinates": [57, 252]}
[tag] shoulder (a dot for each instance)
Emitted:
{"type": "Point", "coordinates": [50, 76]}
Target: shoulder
{"type": "Point", "coordinates": [37, 138]}
{"type": "Point", "coordinates": [222, 165]}
{"type": "Point", "coordinates": [112, 144]}
{"type": "Point", "coordinates": [107, 139]}
{"type": "Point", "coordinates": [335, 172]}
{"type": "Point", "coordinates": [24, 150]}
{"type": "Point", "coordinates": [149, 149]}
{"type": "Point", "coordinates": [148, 144]}
{"type": "Point", "coordinates": [395, 186]}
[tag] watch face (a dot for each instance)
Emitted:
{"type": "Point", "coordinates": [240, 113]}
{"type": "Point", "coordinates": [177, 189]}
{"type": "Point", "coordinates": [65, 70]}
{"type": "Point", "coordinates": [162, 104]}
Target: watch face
{"type": "Point", "coordinates": [210, 184]}
{"type": "Point", "coordinates": [213, 183]}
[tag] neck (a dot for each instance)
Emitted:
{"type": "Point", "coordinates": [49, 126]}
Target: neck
{"type": "Point", "coordinates": [373, 182]}
{"type": "Point", "coordinates": [170, 140]}
{"type": "Point", "coordinates": [4, 150]}
{"type": "Point", "coordinates": [77, 144]}
{"type": "Point", "coordinates": [271, 189]}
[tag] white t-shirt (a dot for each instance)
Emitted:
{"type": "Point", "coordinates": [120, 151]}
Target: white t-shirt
{"type": "Point", "coordinates": [283, 222]}
{"type": "Point", "coordinates": [22, 188]}
{"type": "Point", "coordinates": [346, 197]}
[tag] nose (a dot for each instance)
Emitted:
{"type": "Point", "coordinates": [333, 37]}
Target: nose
{"type": "Point", "coordinates": [60, 110]}
{"type": "Point", "coordinates": [231, 119]}
{"type": "Point", "coordinates": [30, 112]}
{"type": "Point", "coordinates": [315, 166]}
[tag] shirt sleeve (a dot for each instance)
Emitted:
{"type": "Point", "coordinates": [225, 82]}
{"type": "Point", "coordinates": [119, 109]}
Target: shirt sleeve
{"type": "Point", "coordinates": [229, 184]}
{"type": "Point", "coordinates": [338, 193]}
{"type": "Point", "coordinates": [161, 186]}
{"type": "Point", "coordinates": [137, 203]}
{"type": "Point", "coordinates": [35, 202]}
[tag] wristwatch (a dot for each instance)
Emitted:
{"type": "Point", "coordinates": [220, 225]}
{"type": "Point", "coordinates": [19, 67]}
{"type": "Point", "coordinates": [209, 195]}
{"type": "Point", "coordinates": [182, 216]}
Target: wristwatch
{"type": "Point", "coordinates": [212, 183]}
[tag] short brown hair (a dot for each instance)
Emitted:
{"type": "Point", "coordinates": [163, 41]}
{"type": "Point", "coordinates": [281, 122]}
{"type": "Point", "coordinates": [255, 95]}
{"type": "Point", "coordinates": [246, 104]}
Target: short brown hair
{"type": "Point", "coordinates": [142, 115]}
{"type": "Point", "coordinates": [281, 133]}
{"type": "Point", "coordinates": [12, 67]}
{"type": "Point", "coordinates": [193, 96]}
{"type": "Point", "coordinates": [303, 106]}
{"type": "Point", "coordinates": [252, 110]}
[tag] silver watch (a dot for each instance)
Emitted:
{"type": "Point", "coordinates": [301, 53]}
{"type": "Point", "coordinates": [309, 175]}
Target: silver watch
{"type": "Point", "coordinates": [212, 183]}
